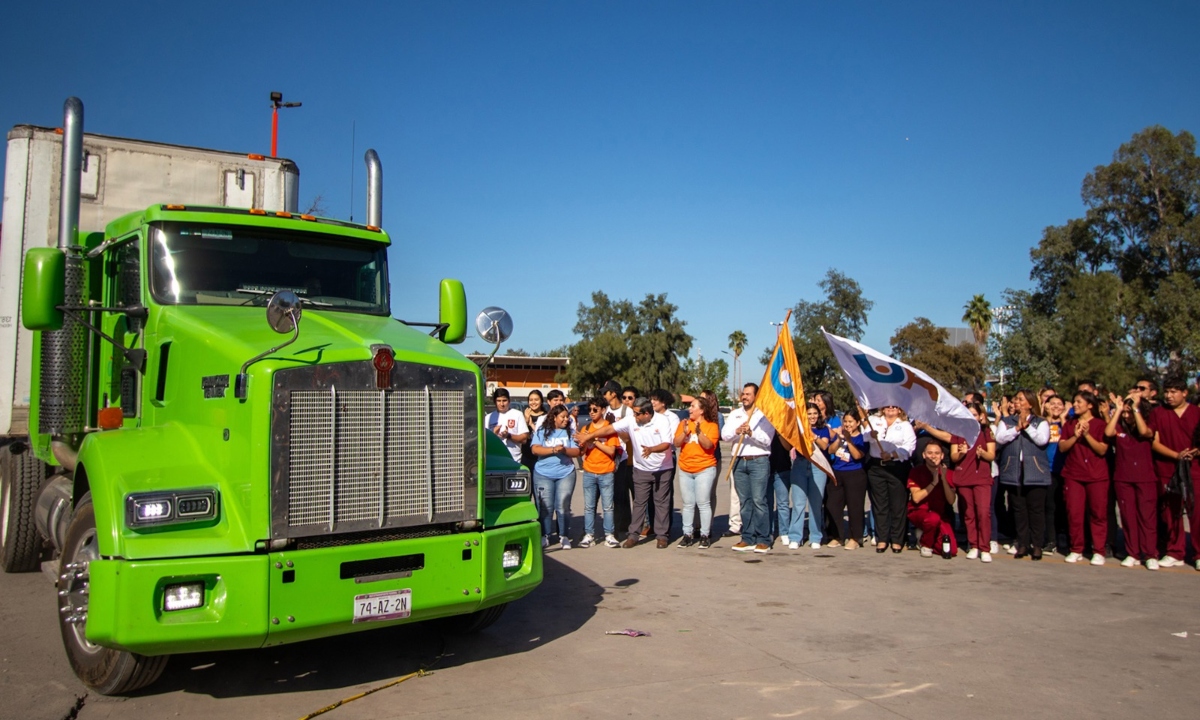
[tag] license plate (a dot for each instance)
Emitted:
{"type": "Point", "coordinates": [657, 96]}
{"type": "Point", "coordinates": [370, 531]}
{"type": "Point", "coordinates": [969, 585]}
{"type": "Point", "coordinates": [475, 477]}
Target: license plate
{"type": "Point", "coordinates": [390, 605]}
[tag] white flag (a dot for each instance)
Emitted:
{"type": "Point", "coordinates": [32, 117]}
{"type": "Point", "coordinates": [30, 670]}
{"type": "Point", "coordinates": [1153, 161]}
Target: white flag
{"type": "Point", "coordinates": [879, 381]}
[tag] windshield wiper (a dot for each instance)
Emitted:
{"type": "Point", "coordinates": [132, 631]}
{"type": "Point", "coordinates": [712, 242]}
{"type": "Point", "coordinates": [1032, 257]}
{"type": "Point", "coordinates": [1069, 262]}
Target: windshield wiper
{"type": "Point", "coordinates": [306, 301]}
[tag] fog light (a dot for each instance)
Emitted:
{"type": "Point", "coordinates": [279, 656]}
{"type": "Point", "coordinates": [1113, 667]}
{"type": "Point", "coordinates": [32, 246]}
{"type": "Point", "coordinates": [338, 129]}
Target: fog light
{"type": "Point", "coordinates": [512, 557]}
{"type": "Point", "coordinates": [183, 597]}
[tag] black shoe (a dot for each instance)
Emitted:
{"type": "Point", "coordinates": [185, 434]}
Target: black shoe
{"type": "Point", "coordinates": [1021, 552]}
{"type": "Point", "coordinates": [1035, 554]}
{"type": "Point", "coordinates": [685, 541]}
{"type": "Point", "coordinates": [704, 543]}
{"type": "Point", "coordinates": [730, 533]}
{"type": "Point", "coordinates": [898, 549]}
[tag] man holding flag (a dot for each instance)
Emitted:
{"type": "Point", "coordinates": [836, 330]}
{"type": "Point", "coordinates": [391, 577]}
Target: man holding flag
{"type": "Point", "coordinates": [751, 470]}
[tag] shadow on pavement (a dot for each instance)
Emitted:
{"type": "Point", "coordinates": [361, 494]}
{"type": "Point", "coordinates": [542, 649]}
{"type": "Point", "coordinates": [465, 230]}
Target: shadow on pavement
{"type": "Point", "coordinates": [377, 656]}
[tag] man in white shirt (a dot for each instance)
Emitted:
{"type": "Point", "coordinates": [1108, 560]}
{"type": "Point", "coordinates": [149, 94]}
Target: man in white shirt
{"type": "Point", "coordinates": [507, 424]}
{"type": "Point", "coordinates": [751, 436]}
{"type": "Point", "coordinates": [661, 400]}
{"type": "Point", "coordinates": [653, 468]}
{"type": "Point", "coordinates": [623, 475]}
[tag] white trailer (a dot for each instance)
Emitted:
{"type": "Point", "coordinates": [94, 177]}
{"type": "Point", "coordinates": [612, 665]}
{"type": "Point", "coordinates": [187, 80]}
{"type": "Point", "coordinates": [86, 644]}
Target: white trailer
{"type": "Point", "coordinates": [119, 176]}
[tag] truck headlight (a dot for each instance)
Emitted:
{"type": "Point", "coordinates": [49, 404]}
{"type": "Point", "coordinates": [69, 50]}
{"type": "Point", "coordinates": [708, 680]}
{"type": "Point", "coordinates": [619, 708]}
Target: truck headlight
{"type": "Point", "coordinates": [498, 485]}
{"type": "Point", "coordinates": [183, 596]}
{"type": "Point", "coordinates": [512, 557]}
{"type": "Point", "coordinates": [169, 507]}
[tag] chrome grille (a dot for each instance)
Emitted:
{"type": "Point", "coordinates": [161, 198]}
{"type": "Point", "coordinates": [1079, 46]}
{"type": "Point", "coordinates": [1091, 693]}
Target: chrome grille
{"type": "Point", "coordinates": [349, 458]}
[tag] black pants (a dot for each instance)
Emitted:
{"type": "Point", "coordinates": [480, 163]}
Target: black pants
{"type": "Point", "coordinates": [652, 496]}
{"type": "Point", "coordinates": [889, 499]}
{"type": "Point", "coordinates": [1029, 510]}
{"type": "Point", "coordinates": [1053, 499]}
{"type": "Point", "coordinates": [847, 496]}
{"type": "Point", "coordinates": [622, 489]}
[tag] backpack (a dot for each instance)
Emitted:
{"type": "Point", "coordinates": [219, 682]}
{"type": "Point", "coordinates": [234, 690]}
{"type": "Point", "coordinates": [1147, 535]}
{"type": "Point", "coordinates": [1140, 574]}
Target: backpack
{"type": "Point", "coordinates": [1180, 483]}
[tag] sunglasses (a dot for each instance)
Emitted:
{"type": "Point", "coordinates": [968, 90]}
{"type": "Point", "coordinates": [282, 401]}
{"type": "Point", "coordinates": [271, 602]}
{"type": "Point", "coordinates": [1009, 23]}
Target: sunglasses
{"type": "Point", "coordinates": [628, 397]}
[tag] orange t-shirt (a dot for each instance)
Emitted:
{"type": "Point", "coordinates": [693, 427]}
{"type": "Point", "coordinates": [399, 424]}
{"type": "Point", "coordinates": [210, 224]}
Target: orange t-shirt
{"type": "Point", "coordinates": [692, 457]}
{"type": "Point", "coordinates": [594, 460]}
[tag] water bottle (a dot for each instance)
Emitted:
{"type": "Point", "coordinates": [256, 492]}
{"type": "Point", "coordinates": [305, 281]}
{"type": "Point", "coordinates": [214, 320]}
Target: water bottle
{"type": "Point", "coordinates": [946, 546]}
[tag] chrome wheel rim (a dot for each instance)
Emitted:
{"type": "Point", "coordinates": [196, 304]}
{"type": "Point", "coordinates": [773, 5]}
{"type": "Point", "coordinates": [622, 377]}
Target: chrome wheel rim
{"type": "Point", "coordinates": [74, 590]}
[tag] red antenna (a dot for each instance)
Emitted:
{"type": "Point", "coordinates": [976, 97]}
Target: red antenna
{"type": "Point", "coordinates": [276, 103]}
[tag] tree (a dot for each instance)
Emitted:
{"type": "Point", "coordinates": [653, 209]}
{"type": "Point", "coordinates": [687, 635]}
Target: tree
{"type": "Point", "coordinates": [516, 352]}
{"type": "Point", "coordinates": [843, 312]}
{"type": "Point", "coordinates": [978, 317]}
{"type": "Point", "coordinates": [641, 345]}
{"type": "Point", "coordinates": [925, 346]}
{"type": "Point", "coordinates": [1117, 292]}
{"type": "Point", "coordinates": [704, 375]}
{"type": "Point", "coordinates": [737, 343]}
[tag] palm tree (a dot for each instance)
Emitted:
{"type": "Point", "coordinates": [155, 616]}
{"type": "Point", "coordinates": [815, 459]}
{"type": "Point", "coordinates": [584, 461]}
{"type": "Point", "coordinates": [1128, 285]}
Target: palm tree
{"type": "Point", "coordinates": [978, 317]}
{"type": "Point", "coordinates": [737, 343]}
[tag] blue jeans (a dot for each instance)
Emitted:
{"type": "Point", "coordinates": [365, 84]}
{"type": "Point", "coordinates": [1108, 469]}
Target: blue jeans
{"type": "Point", "coordinates": [554, 498]}
{"type": "Point", "coordinates": [696, 489]}
{"type": "Point", "coordinates": [808, 493]}
{"type": "Point", "coordinates": [790, 514]}
{"type": "Point", "coordinates": [603, 484]}
{"type": "Point", "coordinates": [751, 476]}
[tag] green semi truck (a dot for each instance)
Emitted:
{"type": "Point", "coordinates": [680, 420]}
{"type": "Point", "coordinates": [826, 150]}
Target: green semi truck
{"type": "Point", "coordinates": [227, 441]}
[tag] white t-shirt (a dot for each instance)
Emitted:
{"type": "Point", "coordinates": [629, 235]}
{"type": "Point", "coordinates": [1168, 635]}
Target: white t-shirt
{"type": "Point", "coordinates": [505, 424]}
{"type": "Point", "coordinates": [655, 432]}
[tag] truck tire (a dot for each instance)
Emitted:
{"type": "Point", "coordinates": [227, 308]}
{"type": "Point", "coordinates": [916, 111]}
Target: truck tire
{"type": "Point", "coordinates": [21, 477]}
{"type": "Point", "coordinates": [105, 670]}
{"type": "Point", "coordinates": [475, 622]}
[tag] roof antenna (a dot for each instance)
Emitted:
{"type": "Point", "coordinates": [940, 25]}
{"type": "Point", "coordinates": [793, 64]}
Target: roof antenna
{"type": "Point", "coordinates": [351, 171]}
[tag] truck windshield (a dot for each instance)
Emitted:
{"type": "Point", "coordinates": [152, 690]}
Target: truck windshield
{"type": "Point", "coordinates": [205, 264]}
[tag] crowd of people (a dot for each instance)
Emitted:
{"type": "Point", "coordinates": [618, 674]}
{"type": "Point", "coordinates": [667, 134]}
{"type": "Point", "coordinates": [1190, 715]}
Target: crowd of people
{"type": "Point", "coordinates": [1089, 479]}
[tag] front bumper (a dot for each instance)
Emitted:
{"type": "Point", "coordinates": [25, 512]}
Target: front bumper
{"type": "Point", "coordinates": [252, 601]}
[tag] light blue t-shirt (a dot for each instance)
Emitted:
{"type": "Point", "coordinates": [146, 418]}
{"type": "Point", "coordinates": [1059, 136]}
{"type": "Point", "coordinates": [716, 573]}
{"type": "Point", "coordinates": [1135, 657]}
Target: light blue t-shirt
{"type": "Point", "coordinates": [554, 467]}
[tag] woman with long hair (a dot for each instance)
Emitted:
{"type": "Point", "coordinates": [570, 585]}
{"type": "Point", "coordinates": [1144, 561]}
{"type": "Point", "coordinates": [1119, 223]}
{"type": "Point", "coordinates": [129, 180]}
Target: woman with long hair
{"type": "Point", "coordinates": [973, 480]}
{"type": "Point", "coordinates": [848, 451]}
{"type": "Point", "coordinates": [697, 439]}
{"type": "Point", "coordinates": [893, 442]}
{"type": "Point", "coordinates": [554, 473]}
{"type": "Point", "coordinates": [1134, 480]}
{"type": "Point", "coordinates": [1085, 477]}
{"type": "Point", "coordinates": [535, 408]}
{"type": "Point", "coordinates": [1025, 470]}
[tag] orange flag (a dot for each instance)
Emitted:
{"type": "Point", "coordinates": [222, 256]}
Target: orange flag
{"type": "Point", "coordinates": [781, 400]}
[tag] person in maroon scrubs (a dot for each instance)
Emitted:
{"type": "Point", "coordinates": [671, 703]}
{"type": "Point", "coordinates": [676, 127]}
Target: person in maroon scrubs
{"type": "Point", "coordinates": [1174, 423]}
{"type": "Point", "coordinates": [1085, 478]}
{"type": "Point", "coordinates": [1134, 480]}
{"type": "Point", "coordinates": [973, 481]}
{"type": "Point", "coordinates": [930, 493]}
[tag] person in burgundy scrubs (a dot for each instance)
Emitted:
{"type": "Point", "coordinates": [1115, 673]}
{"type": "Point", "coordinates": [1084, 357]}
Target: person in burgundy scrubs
{"type": "Point", "coordinates": [930, 493]}
{"type": "Point", "coordinates": [1085, 477]}
{"type": "Point", "coordinates": [1174, 423]}
{"type": "Point", "coordinates": [1134, 480]}
{"type": "Point", "coordinates": [973, 481]}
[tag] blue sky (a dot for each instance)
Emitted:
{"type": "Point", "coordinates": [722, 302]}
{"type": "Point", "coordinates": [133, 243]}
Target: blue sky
{"type": "Point", "coordinates": [725, 153]}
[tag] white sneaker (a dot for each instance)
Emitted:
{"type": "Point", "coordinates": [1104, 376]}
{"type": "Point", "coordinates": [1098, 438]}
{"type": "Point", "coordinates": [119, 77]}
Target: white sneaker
{"type": "Point", "coordinates": [994, 549]}
{"type": "Point", "coordinates": [1073, 558]}
{"type": "Point", "coordinates": [783, 540]}
{"type": "Point", "coordinates": [1198, 564]}
{"type": "Point", "coordinates": [985, 556]}
{"type": "Point", "coordinates": [587, 541]}
{"type": "Point", "coordinates": [1098, 559]}
{"type": "Point", "coordinates": [1169, 561]}
{"type": "Point", "coordinates": [1152, 564]}
{"type": "Point", "coordinates": [973, 554]}
{"type": "Point", "coordinates": [566, 543]}
{"type": "Point", "coordinates": [1010, 549]}
{"type": "Point", "coordinates": [815, 545]}
{"type": "Point", "coordinates": [926, 552]}
{"type": "Point", "coordinates": [611, 541]}
{"type": "Point", "coordinates": [545, 541]}
{"type": "Point", "coordinates": [1129, 561]}
{"type": "Point", "coordinates": [793, 546]}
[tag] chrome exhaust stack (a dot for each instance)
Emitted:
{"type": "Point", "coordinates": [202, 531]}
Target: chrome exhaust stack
{"type": "Point", "coordinates": [374, 189]}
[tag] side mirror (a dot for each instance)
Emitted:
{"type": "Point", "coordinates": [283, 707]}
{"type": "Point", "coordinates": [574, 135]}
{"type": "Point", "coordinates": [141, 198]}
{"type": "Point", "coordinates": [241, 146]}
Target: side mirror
{"type": "Point", "coordinates": [283, 312]}
{"type": "Point", "coordinates": [494, 325]}
{"type": "Point", "coordinates": [42, 291]}
{"type": "Point", "coordinates": [452, 311]}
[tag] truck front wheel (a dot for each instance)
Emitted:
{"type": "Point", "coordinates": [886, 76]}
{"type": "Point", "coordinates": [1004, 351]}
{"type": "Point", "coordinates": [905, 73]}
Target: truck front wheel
{"type": "Point", "coordinates": [107, 671]}
{"type": "Point", "coordinates": [474, 622]}
{"type": "Point", "coordinates": [21, 478]}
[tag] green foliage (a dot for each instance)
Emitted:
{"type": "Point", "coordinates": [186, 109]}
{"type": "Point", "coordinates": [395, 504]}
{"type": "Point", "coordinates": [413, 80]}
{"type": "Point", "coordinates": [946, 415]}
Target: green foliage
{"type": "Point", "coordinates": [704, 375]}
{"type": "Point", "coordinates": [978, 316]}
{"type": "Point", "coordinates": [641, 345]}
{"type": "Point", "coordinates": [1117, 292]}
{"type": "Point", "coordinates": [843, 312]}
{"type": "Point", "coordinates": [925, 346]}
